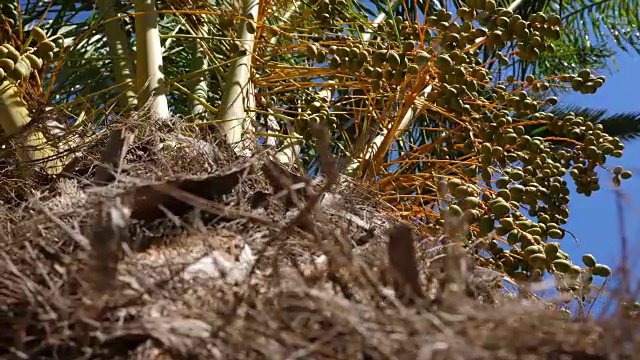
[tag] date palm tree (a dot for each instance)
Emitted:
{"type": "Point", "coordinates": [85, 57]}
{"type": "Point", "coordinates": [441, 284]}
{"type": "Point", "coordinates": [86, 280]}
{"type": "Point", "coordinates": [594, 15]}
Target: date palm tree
{"type": "Point", "coordinates": [417, 98]}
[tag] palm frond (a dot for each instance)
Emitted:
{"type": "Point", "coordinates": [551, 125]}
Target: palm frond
{"type": "Point", "coordinates": [603, 19]}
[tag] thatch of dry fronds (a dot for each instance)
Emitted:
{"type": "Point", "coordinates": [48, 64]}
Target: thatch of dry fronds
{"type": "Point", "coordinates": [172, 259]}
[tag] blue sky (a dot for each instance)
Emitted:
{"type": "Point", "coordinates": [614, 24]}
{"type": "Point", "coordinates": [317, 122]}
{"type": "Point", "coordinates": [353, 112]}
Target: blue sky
{"type": "Point", "coordinates": [594, 220]}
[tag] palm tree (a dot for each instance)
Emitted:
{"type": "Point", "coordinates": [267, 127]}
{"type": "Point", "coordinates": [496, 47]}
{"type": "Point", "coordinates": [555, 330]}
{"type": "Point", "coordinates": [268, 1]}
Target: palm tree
{"type": "Point", "coordinates": [409, 105]}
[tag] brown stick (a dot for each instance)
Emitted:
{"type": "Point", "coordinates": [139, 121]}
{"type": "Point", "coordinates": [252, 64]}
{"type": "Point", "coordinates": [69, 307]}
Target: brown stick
{"type": "Point", "coordinates": [113, 156]}
{"type": "Point", "coordinates": [403, 265]}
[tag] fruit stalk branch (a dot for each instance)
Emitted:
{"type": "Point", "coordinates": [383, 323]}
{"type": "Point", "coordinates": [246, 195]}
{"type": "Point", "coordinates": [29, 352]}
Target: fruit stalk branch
{"type": "Point", "coordinates": [387, 136]}
{"type": "Point", "coordinates": [150, 78]}
{"type": "Point", "coordinates": [238, 93]}
{"type": "Point", "coordinates": [123, 69]}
